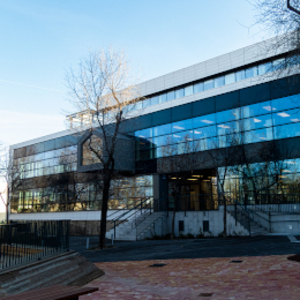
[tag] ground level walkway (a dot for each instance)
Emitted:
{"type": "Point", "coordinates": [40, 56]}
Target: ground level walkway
{"type": "Point", "coordinates": [259, 278]}
{"type": "Point", "coordinates": [196, 269]}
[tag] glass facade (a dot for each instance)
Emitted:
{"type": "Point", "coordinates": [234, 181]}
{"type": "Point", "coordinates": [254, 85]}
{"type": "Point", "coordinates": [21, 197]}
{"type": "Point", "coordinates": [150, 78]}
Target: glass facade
{"type": "Point", "coordinates": [275, 119]}
{"type": "Point", "coordinates": [265, 182]}
{"type": "Point", "coordinates": [205, 85]}
{"type": "Point", "coordinates": [125, 193]}
{"type": "Point", "coordinates": [48, 162]}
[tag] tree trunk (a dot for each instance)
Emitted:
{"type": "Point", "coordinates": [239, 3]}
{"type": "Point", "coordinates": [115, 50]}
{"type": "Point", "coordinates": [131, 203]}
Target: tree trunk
{"type": "Point", "coordinates": [7, 206]}
{"type": "Point", "coordinates": [105, 199]}
{"type": "Point", "coordinates": [225, 217]}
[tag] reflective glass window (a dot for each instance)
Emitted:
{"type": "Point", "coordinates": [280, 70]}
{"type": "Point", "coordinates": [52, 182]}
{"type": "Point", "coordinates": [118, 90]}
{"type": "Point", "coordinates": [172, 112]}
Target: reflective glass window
{"type": "Point", "coordinates": [208, 84]}
{"type": "Point", "coordinates": [162, 98]}
{"type": "Point", "coordinates": [286, 103]}
{"type": "Point", "coordinates": [188, 90]}
{"type": "Point", "coordinates": [155, 100]}
{"type": "Point", "coordinates": [161, 130]}
{"type": "Point", "coordinates": [285, 117]}
{"type": "Point", "coordinates": [256, 109]}
{"type": "Point", "coordinates": [184, 148]}
{"type": "Point", "coordinates": [147, 102]}
{"type": "Point", "coordinates": [205, 144]}
{"type": "Point", "coordinates": [285, 131]}
{"type": "Point", "coordinates": [199, 87]}
{"type": "Point", "coordinates": [230, 140]}
{"type": "Point", "coordinates": [182, 125]}
{"type": "Point", "coordinates": [183, 136]}
{"type": "Point", "coordinates": [170, 95]}
{"type": "Point", "coordinates": [219, 81]}
{"type": "Point", "coordinates": [251, 72]}
{"type": "Point", "coordinates": [166, 151]}
{"type": "Point", "coordinates": [230, 78]}
{"type": "Point", "coordinates": [179, 93]}
{"type": "Point", "coordinates": [278, 64]}
{"type": "Point", "coordinates": [49, 154]}
{"type": "Point", "coordinates": [162, 140]}
{"type": "Point", "coordinates": [259, 135]}
{"type": "Point", "coordinates": [204, 132]}
{"type": "Point", "coordinates": [228, 128]}
{"type": "Point", "coordinates": [256, 122]}
{"type": "Point", "coordinates": [206, 120]}
{"type": "Point", "coordinates": [240, 75]}
{"type": "Point", "coordinates": [293, 60]}
{"type": "Point", "coordinates": [144, 134]}
{"type": "Point", "coordinates": [138, 105]}
{"type": "Point", "coordinates": [264, 68]}
{"type": "Point", "coordinates": [228, 115]}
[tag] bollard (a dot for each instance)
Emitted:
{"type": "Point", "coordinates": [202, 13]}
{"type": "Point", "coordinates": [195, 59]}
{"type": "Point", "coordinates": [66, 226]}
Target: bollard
{"type": "Point", "coordinates": [112, 239]}
{"type": "Point", "coordinates": [87, 243]}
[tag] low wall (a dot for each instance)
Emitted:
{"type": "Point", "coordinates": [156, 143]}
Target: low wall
{"type": "Point", "coordinates": [193, 223]}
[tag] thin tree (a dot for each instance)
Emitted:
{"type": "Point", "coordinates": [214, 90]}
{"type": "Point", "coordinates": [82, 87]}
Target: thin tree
{"type": "Point", "coordinates": [104, 92]}
{"type": "Point", "coordinates": [12, 174]}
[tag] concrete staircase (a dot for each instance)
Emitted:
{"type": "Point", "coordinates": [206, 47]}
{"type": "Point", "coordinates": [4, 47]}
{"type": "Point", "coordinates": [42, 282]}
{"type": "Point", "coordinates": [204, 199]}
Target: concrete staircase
{"type": "Point", "coordinates": [69, 268]}
{"type": "Point", "coordinates": [257, 229]}
{"type": "Point", "coordinates": [134, 228]}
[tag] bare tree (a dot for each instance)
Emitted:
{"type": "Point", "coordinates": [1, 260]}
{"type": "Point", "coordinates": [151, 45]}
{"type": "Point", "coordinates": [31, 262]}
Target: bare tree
{"type": "Point", "coordinates": [105, 93]}
{"type": "Point", "coordinates": [11, 172]}
{"type": "Point", "coordinates": [281, 18]}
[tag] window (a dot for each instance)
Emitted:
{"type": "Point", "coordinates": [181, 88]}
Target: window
{"type": "Point", "coordinates": [206, 120]}
{"type": "Point", "coordinates": [219, 81]}
{"type": "Point", "coordinates": [205, 132]}
{"type": "Point", "coordinates": [161, 130]}
{"type": "Point", "coordinates": [240, 75]}
{"type": "Point", "coordinates": [251, 72]}
{"type": "Point", "coordinates": [91, 150]}
{"type": "Point", "coordinates": [256, 122]}
{"type": "Point", "coordinates": [188, 90]}
{"type": "Point", "coordinates": [209, 84]}
{"type": "Point", "coordinates": [286, 103]}
{"type": "Point", "coordinates": [155, 100]}
{"type": "Point", "coordinates": [228, 115]}
{"type": "Point", "coordinates": [256, 109]}
{"type": "Point", "coordinates": [170, 95]}
{"type": "Point", "coordinates": [182, 125]}
{"type": "Point", "coordinates": [179, 93]}
{"type": "Point", "coordinates": [264, 68]}
{"type": "Point", "coordinates": [286, 131]}
{"type": "Point", "coordinates": [162, 98]}
{"type": "Point", "coordinates": [199, 87]}
{"type": "Point", "coordinates": [285, 117]}
{"type": "Point", "coordinates": [230, 78]}
{"type": "Point", "coordinates": [260, 135]}
{"type": "Point", "coordinates": [228, 128]}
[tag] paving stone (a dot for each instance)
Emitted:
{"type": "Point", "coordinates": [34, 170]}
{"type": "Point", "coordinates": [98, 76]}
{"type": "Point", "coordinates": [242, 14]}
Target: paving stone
{"type": "Point", "coordinates": [259, 278]}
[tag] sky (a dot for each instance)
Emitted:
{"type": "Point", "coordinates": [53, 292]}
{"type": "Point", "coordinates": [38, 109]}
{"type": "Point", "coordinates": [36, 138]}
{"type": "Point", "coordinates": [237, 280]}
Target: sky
{"type": "Point", "coordinates": [40, 40]}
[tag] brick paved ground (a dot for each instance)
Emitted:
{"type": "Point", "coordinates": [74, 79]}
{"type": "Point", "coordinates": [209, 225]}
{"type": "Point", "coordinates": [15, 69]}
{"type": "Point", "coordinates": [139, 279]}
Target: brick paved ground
{"type": "Point", "coordinates": [259, 278]}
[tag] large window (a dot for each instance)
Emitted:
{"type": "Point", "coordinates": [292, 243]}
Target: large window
{"type": "Point", "coordinates": [248, 124]}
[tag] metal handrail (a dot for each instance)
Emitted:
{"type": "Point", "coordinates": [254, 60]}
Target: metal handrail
{"type": "Point", "coordinates": [130, 210]}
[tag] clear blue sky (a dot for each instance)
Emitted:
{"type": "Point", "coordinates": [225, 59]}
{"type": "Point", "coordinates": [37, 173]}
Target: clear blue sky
{"type": "Point", "coordinates": [41, 39]}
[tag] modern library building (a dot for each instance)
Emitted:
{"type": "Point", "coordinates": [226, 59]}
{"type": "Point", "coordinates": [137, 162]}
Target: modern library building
{"type": "Point", "coordinates": [229, 126]}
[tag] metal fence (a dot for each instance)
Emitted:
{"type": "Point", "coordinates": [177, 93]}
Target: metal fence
{"type": "Point", "coordinates": [28, 241]}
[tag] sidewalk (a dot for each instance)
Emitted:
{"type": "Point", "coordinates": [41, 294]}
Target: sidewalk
{"type": "Point", "coordinates": [259, 278]}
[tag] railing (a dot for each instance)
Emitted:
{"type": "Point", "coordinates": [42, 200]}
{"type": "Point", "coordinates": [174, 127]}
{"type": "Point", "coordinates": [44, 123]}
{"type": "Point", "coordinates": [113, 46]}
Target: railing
{"type": "Point", "coordinates": [28, 241]}
{"type": "Point", "coordinates": [240, 214]}
{"type": "Point", "coordinates": [138, 208]}
{"type": "Point", "coordinates": [269, 201]}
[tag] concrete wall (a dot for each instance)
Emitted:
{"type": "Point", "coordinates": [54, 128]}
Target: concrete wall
{"type": "Point", "coordinates": [193, 223]}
